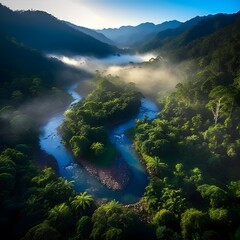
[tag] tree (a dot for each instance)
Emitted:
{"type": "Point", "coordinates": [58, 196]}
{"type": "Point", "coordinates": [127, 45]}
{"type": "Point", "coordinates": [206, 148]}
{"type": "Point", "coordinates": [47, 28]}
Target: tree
{"type": "Point", "coordinates": [46, 197]}
{"type": "Point", "coordinates": [82, 203]}
{"type": "Point", "coordinates": [84, 227]}
{"type": "Point", "coordinates": [60, 217]}
{"type": "Point", "coordinates": [193, 223]}
{"type": "Point", "coordinates": [152, 195]}
{"type": "Point", "coordinates": [216, 195]}
{"type": "Point", "coordinates": [98, 148]}
{"type": "Point", "coordinates": [164, 233]}
{"type": "Point", "coordinates": [196, 176]}
{"type": "Point", "coordinates": [111, 221]}
{"type": "Point", "coordinates": [164, 217]}
{"type": "Point", "coordinates": [79, 145]}
{"type": "Point", "coordinates": [42, 231]}
{"type": "Point", "coordinates": [234, 188]}
{"type": "Point", "coordinates": [222, 101]}
{"type": "Point", "coordinates": [179, 170]}
{"type": "Point", "coordinates": [46, 175]}
{"type": "Point", "coordinates": [173, 200]}
{"type": "Point", "coordinates": [154, 165]}
{"type": "Point", "coordinates": [220, 216]}
{"type": "Point", "coordinates": [114, 234]}
{"type": "Point", "coordinates": [58, 191]}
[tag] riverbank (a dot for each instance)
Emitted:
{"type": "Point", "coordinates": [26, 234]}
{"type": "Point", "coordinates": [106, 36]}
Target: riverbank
{"type": "Point", "coordinates": [116, 177]}
{"type": "Point", "coordinates": [124, 182]}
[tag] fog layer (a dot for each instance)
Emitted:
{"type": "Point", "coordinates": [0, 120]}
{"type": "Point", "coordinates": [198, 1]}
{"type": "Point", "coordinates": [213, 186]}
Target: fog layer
{"type": "Point", "coordinates": [152, 75]}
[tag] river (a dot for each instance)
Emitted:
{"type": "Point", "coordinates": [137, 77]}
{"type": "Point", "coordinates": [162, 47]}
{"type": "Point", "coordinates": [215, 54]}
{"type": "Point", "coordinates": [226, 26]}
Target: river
{"type": "Point", "coordinates": [50, 142]}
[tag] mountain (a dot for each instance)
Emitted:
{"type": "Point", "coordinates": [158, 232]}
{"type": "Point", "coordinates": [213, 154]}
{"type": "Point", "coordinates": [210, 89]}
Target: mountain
{"type": "Point", "coordinates": [99, 36]}
{"type": "Point", "coordinates": [130, 36]}
{"type": "Point", "coordinates": [20, 66]}
{"type": "Point", "coordinates": [189, 31]}
{"type": "Point", "coordinates": [44, 32]}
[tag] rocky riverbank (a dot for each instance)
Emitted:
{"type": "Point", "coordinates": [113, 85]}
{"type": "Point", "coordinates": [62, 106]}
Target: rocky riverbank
{"type": "Point", "coordinates": [116, 177]}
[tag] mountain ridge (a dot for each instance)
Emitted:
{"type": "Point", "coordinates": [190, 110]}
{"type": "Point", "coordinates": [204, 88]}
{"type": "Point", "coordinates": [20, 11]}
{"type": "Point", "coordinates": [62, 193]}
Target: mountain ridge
{"type": "Point", "coordinates": [131, 35]}
{"type": "Point", "coordinates": [42, 31]}
{"type": "Point", "coordinates": [91, 32]}
{"type": "Point", "coordinates": [194, 28]}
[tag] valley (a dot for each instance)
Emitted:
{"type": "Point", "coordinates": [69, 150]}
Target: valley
{"type": "Point", "coordinates": [119, 133]}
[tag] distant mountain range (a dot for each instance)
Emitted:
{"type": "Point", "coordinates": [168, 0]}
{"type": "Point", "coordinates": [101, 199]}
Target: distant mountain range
{"type": "Point", "coordinates": [42, 31]}
{"type": "Point", "coordinates": [99, 36]}
{"type": "Point", "coordinates": [196, 28]}
{"type": "Point", "coordinates": [132, 36]}
{"type": "Point", "coordinates": [45, 33]}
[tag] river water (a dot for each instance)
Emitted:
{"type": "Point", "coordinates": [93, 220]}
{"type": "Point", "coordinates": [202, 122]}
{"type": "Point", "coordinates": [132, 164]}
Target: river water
{"type": "Point", "coordinates": [50, 142]}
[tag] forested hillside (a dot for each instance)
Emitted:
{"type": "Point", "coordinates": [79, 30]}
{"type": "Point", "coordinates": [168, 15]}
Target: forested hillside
{"type": "Point", "coordinates": [192, 149]}
{"type": "Point", "coordinates": [198, 27]}
{"type": "Point", "coordinates": [92, 33]}
{"type": "Point", "coordinates": [44, 32]}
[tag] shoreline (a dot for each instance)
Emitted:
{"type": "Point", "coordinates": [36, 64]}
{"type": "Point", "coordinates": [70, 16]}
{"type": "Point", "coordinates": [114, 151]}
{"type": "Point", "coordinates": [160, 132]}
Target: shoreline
{"type": "Point", "coordinates": [116, 177]}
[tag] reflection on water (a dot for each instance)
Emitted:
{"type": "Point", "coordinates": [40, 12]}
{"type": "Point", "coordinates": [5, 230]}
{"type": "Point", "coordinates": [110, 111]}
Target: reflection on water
{"type": "Point", "coordinates": [50, 141]}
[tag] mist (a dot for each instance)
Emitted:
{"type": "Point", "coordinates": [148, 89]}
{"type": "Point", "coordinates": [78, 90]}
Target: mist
{"type": "Point", "coordinates": [153, 80]}
{"type": "Point", "coordinates": [153, 75]}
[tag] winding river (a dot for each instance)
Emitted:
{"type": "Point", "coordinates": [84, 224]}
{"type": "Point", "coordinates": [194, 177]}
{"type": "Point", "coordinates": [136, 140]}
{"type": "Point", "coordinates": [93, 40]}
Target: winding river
{"type": "Point", "coordinates": [50, 142]}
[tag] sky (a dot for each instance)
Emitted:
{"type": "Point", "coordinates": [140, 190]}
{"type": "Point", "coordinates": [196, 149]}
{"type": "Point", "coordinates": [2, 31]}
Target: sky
{"type": "Point", "coordinates": [98, 14]}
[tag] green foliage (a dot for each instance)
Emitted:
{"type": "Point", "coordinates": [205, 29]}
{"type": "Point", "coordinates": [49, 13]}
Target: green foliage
{"type": "Point", "coordinates": [173, 200]}
{"type": "Point", "coordinates": [193, 222]}
{"type": "Point", "coordinates": [84, 227]}
{"type": "Point", "coordinates": [112, 221]}
{"type": "Point", "coordinates": [60, 217]}
{"type": "Point", "coordinates": [164, 233]}
{"type": "Point", "coordinates": [234, 187]}
{"type": "Point", "coordinates": [85, 127]}
{"type": "Point", "coordinates": [114, 234]}
{"type": "Point", "coordinates": [214, 194]}
{"type": "Point", "coordinates": [164, 217]}
{"type": "Point", "coordinates": [82, 204]}
{"type": "Point", "coordinates": [191, 150]}
{"type": "Point", "coordinates": [220, 216]}
{"type": "Point", "coordinates": [196, 135]}
{"type": "Point", "coordinates": [46, 175]}
{"type": "Point", "coordinates": [42, 231]}
{"type": "Point", "coordinates": [79, 145]}
{"type": "Point", "coordinates": [98, 148]}
{"type": "Point", "coordinates": [51, 192]}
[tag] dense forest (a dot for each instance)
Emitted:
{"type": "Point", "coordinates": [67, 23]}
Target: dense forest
{"type": "Point", "coordinates": [86, 123]}
{"type": "Point", "coordinates": [191, 150]}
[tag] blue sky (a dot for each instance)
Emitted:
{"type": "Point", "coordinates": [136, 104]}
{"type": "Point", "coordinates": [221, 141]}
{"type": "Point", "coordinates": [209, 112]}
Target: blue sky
{"type": "Point", "coordinates": [115, 13]}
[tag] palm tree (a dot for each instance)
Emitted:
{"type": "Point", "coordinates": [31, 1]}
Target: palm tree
{"type": "Point", "coordinates": [82, 203]}
{"type": "Point", "coordinates": [60, 217]}
{"type": "Point", "coordinates": [153, 165]}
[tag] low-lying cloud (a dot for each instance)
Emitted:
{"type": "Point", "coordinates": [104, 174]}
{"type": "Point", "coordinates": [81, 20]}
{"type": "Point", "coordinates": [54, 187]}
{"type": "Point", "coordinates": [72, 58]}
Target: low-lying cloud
{"type": "Point", "coordinates": [154, 76]}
